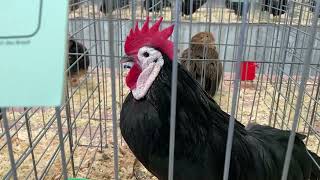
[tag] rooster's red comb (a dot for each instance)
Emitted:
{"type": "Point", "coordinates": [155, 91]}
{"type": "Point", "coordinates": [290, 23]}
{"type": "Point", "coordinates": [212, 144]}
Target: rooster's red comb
{"type": "Point", "coordinates": [152, 37]}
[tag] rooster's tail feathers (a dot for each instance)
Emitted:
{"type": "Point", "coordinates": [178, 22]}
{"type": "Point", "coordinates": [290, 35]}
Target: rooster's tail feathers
{"type": "Point", "coordinates": [315, 173]}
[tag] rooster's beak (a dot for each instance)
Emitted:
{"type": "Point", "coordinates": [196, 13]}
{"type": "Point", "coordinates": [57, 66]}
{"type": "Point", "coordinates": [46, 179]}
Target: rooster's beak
{"type": "Point", "coordinates": [127, 62]}
{"type": "Point", "coordinates": [125, 59]}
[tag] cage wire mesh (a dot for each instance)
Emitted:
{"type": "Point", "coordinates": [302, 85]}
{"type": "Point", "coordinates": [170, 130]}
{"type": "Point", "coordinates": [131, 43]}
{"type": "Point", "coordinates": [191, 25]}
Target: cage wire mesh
{"type": "Point", "coordinates": [81, 138]}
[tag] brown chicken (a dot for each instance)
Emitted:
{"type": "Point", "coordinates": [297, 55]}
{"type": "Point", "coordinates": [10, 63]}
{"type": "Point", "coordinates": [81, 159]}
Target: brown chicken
{"type": "Point", "coordinates": [203, 48]}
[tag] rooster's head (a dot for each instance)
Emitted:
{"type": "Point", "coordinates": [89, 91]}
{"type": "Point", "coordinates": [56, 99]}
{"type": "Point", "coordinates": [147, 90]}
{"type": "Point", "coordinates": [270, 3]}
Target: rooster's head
{"type": "Point", "coordinates": [145, 50]}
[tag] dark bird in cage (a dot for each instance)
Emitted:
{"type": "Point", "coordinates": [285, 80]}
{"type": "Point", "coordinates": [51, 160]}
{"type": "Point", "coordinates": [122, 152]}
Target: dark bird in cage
{"type": "Point", "coordinates": [275, 7]}
{"type": "Point", "coordinates": [79, 61]}
{"type": "Point", "coordinates": [312, 8]}
{"type": "Point", "coordinates": [236, 6]}
{"type": "Point", "coordinates": [203, 47]}
{"type": "Point", "coordinates": [74, 5]}
{"type": "Point", "coordinates": [186, 6]}
{"type": "Point", "coordinates": [116, 4]}
{"type": "Point", "coordinates": [258, 152]}
{"type": "Point", "coordinates": [155, 5]}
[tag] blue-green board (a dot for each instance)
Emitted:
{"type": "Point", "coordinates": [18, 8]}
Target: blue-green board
{"type": "Point", "coordinates": [33, 44]}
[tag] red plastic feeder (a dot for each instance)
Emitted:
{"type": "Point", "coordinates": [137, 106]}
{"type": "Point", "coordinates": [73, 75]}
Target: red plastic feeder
{"type": "Point", "coordinates": [248, 70]}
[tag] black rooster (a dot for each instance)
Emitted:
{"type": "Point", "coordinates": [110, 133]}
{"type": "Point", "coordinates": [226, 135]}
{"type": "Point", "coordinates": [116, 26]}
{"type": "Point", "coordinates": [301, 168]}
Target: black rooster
{"type": "Point", "coordinates": [275, 7]}
{"type": "Point", "coordinates": [201, 125]}
{"type": "Point", "coordinates": [115, 4]}
{"type": "Point", "coordinates": [237, 6]}
{"type": "Point", "coordinates": [196, 4]}
{"type": "Point", "coordinates": [78, 61]}
{"type": "Point", "coordinates": [313, 3]}
{"type": "Point", "coordinates": [155, 5]}
{"type": "Point", "coordinates": [74, 5]}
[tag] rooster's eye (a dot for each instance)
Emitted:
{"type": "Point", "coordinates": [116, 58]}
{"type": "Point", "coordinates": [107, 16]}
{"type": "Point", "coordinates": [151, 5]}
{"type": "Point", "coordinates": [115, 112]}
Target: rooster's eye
{"type": "Point", "coordinates": [145, 54]}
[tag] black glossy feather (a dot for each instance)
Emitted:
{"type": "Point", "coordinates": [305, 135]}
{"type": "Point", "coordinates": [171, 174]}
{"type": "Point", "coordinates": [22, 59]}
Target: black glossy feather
{"type": "Point", "coordinates": [275, 7]}
{"type": "Point", "coordinates": [237, 6]}
{"type": "Point", "coordinates": [74, 5]}
{"type": "Point", "coordinates": [115, 4]}
{"type": "Point", "coordinates": [201, 133]}
{"type": "Point", "coordinates": [78, 62]}
{"type": "Point", "coordinates": [186, 6]}
{"type": "Point", "coordinates": [312, 8]}
{"type": "Point", "coordinates": [155, 5]}
{"type": "Point", "coordinates": [78, 57]}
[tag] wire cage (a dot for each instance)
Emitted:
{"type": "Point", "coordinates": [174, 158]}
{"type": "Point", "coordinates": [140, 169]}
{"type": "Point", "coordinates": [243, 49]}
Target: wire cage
{"type": "Point", "coordinates": [277, 45]}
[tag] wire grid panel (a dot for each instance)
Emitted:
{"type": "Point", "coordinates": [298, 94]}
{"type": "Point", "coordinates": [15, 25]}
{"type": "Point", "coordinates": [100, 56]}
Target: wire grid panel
{"type": "Point", "coordinates": [278, 44]}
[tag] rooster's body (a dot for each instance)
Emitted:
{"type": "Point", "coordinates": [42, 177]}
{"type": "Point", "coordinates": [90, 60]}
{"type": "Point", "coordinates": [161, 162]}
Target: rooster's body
{"type": "Point", "coordinates": [201, 133]}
